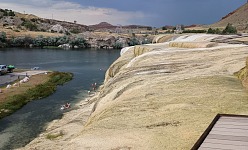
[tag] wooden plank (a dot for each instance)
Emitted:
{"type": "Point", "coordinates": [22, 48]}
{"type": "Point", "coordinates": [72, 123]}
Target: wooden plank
{"type": "Point", "coordinates": [228, 137]}
{"type": "Point", "coordinates": [203, 148]}
{"type": "Point", "coordinates": [227, 126]}
{"type": "Point", "coordinates": [223, 146]}
{"type": "Point", "coordinates": [227, 142]}
{"type": "Point", "coordinates": [233, 119]}
{"type": "Point", "coordinates": [229, 133]}
{"type": "Point", "coordinates": [233, 123]}
{"type": "Point", "coordinates": [240, 130]}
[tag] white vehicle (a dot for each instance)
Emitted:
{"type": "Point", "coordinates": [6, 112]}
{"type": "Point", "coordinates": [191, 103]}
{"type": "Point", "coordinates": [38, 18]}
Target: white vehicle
{"type": "Point", "coordinates": [3, 69]}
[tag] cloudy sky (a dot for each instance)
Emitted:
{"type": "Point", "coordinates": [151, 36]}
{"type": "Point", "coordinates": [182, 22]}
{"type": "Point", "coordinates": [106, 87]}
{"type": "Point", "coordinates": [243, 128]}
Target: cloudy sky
{"type": "Point", "coordinates": [155, 13]}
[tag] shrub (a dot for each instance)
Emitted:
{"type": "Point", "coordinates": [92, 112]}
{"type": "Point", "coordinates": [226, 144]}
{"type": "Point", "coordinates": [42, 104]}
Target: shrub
{"type": "Point", "coordinates": [133, 41]}
{"type": "Point", "coordinates": [77, 41]}
{"type": "Point", "coordinates": [164, 28]}
{"type": "Point", "coordinates": [118, 45]}
{"type": "Point", "coordinates": [21, 41]}
{"type": "Point", "coordinates": [75, 31]}
{"type": "Point", "coordinates": [229, 29]}
{"type": "Point", "coordinates": [30, 26]}
{"type": "Point", "coordinates": [194, 31]}
{"type": "Point", "coordinates": [3, 37]}
{"type": "Point", "coordinates": [62, 40]}
{"type": "Point", "coordinates": [213, 31]}
{"type": "Point", "coordinates": [40, 41]}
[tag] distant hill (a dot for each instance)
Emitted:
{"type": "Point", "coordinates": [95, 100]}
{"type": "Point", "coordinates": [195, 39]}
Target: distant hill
{"type": "Point", "coordinates": [238, 18]}
{"type": "Point", "coordinates": [15, 23]}
{"type": "Point", "coordinates": [102, 25]}
{"type": "Point", "coordinates": [105, 25]}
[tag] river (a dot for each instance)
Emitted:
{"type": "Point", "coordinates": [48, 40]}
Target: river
{"type": "Point", "coordinates": [88, 66]}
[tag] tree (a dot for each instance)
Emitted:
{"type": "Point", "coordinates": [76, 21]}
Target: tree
{"type": "Point", "coordinates": [210, 31]}
{"type": "Point", "coordinates": [78, 41]}
{"type": "Point", "coordinates": [29, 25]}
{"type": "Point", "coordinates": [229, 29]}
{"type": "Point", "coordinates": [40, 41]}
{"type": "Point", "coordinates": [164, 28]}
{"type": "Point", "coordinates": [3, 37]}
{"type": "Point", "coordinates": [133, 41]}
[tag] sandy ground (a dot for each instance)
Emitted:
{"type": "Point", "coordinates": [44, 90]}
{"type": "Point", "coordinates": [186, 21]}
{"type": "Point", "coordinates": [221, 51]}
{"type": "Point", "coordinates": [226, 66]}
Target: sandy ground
{"type": "Point", "coordinates": [11, 77]}
{"type": "Point", "coordinates": [157, 97]}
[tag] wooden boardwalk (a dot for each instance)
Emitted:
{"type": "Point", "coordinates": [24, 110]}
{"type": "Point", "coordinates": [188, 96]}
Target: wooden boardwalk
{"type": "Point", "coordinates": [226, 132]}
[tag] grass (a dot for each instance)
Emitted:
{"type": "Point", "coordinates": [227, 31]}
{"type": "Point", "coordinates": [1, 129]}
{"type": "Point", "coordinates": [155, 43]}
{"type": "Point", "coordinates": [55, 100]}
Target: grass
{"type": "Point", "coordinates": [16, 99]}
{"type": "Point", "coordinates": [54, 136]}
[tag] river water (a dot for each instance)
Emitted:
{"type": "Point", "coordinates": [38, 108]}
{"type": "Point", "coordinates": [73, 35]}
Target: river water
{"type": "Point", "coordinates": [88, 66]}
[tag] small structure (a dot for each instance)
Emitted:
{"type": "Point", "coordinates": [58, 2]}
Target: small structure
{"type": "Point", "coordinates": [225, 132]}
{"type": "Point", "coordinates": [178, 29]}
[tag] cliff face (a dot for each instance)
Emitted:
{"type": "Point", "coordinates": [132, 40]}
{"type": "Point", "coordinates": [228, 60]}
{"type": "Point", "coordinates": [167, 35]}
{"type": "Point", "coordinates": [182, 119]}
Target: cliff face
{"type": "Point", "coordinates": [157, 97]}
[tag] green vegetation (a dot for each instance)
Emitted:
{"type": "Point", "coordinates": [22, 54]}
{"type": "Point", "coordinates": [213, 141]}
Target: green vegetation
{"type": "Point", "coordinates": [29, 25]}
{"type": "Point", "coordinates": [54, 136]}
{"type": "Point", "coordinates": [15, 102]}
{"type": "Point", "coordinates": [133, 41]}
{"type": "Point", "coordinates": [214, 31]}
{"type": "Point", "coordinates": [194, 31]}
{"type": "Point", "coordinates": [3, 39]}
{"type": "Point", "coordinates": [75, 31]}
{"type": "Point", "coordinates": [118, 45]}
{"type": "Point", "coordinates": [164, 28]}
{"type": "Point", "coordinates": [230, 29]}
{"type": "Point", "coordinates": [7, 12]}
{"type": "Point", "coordinates": [78, 41]}
{"type": "Point", "coordinates": [42, 41]}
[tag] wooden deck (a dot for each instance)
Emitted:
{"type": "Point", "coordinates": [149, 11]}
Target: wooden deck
{"type": "Point", "coordinates": [226, 132]}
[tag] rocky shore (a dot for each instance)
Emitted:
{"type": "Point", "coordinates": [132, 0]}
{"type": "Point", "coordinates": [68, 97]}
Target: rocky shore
{"type": "Point", "coordinates": [157, 96]}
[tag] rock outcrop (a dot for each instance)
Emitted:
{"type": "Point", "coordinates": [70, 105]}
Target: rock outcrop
{"type": "Point", "coordinates": [155, 97]}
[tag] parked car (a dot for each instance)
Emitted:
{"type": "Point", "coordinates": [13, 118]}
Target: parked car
{"type": "Point", "coordinates": [3, 69]}
{"type": "Point", "coordinates": [10, 68]}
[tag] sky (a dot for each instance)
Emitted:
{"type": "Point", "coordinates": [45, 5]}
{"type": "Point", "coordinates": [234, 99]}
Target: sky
{"type": "Point", "coordinates": [155, 13]}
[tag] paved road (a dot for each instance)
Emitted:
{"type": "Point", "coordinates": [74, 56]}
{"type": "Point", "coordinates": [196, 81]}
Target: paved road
{"type": "Point", "coordinates": [11, 77]}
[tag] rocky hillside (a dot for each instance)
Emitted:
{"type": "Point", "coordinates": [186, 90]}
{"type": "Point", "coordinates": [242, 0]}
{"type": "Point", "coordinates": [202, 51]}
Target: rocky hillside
{"type": "Point", "coordinates": [238, 18]}
{"type": "Point", "coordinates": [26, 22]}
{"type": "Point", "coordinates": [159, 96]}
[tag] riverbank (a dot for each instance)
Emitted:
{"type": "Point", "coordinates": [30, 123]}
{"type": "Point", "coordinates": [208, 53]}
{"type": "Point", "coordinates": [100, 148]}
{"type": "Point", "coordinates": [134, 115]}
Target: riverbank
{"type": "Point", "coordinates": [38, 86]}
{"type": "Point", "coordinates": [160, 96]}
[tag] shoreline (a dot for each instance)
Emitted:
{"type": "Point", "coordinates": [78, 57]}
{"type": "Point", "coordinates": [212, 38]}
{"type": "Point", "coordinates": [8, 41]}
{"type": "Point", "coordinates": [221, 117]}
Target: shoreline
{"type": "Point", "coordinates": [38, 85]}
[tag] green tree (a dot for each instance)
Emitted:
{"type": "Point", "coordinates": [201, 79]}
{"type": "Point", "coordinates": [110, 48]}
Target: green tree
{"type": "Point", "coordinates": [62, 40]}
{"type": "Point", "coordinates": [118, 45]}
{"type": "Point", "coordinates": [78, 41]}
{"type": "Point", "coordinates": [40, 41]}
{"type": "Point", "coordinates": [230, 29]}
{"type": "Point", "coordinates": [30, 26]}
{"type": "Point", "coordinates": [3, 37]}
{"type": "Point", "coordinates": [210, 31]}
{"type": "Point", "coordinates": [164, 28]}
{"type": "Point", "coordinates": [133, 41]}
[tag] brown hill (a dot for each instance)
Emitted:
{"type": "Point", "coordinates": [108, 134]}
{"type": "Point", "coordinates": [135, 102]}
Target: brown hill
{"type": "Point", "coordinates": [105, 25]}
{"type": "Point", "coordinates": [238, 18]}
{"type": "Point", "coordinates": [102, 25]}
